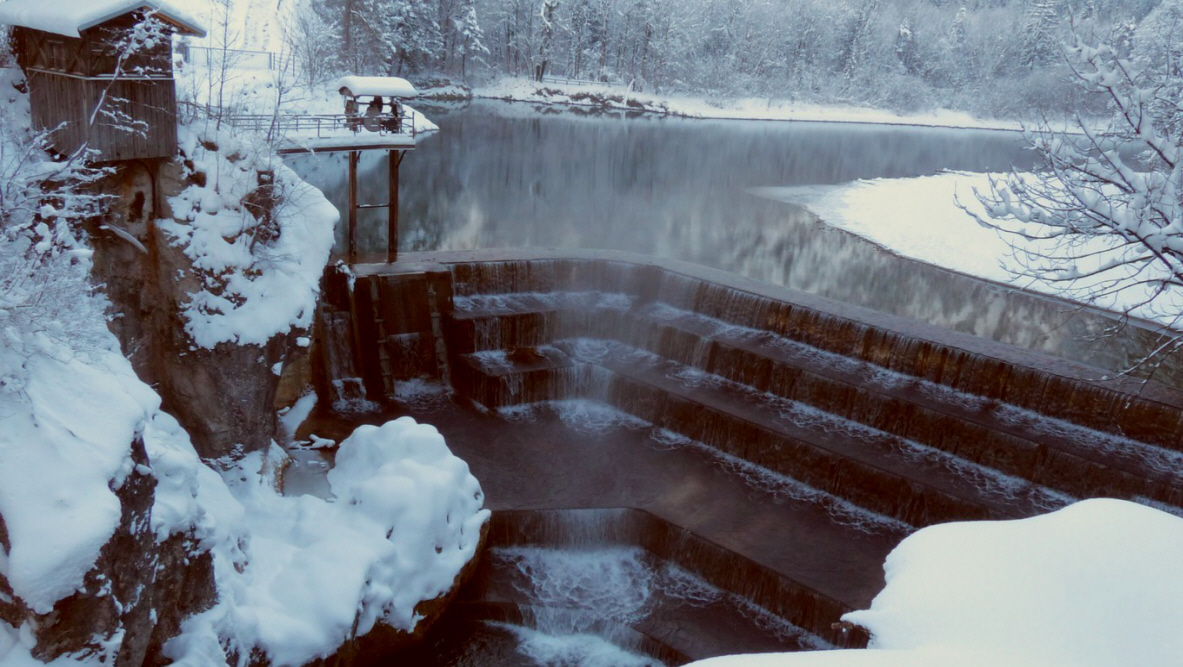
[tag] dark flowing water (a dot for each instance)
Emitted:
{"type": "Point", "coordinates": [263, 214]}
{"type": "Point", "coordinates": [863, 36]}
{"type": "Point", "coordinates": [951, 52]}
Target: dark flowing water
{"type": "Point", "coordinates": [511, 175]}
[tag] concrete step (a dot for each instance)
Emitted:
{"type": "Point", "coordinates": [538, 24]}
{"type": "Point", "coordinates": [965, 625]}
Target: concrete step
{"type": "Point", "coordinates": [1073, 459]}
{"type": "Point", "coordinates": [786, 554]}
{"type": "Point", "coordinates": [503, 321]}
{"type": "Point", "coordinates": [523, 375]}
{"type": "Point", "coordinates": [1070, 458]}
{"type": "Point", "coordinates": [883, 473]}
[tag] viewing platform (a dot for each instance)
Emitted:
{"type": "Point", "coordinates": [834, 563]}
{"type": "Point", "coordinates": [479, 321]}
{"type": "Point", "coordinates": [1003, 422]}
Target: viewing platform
{"type": "Point", "coordinates": [328, 133]}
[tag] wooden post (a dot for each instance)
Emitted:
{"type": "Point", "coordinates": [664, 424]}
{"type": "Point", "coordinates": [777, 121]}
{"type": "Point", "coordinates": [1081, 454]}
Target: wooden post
{"type": "Point", "coordinates": [392, 221]}
{"type": "Point", "coordinates": [354, 158]}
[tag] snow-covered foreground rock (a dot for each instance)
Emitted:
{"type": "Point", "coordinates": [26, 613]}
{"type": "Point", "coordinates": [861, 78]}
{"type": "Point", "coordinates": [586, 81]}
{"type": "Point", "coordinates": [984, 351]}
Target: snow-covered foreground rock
{"type": "Point", "coordinates": [1097, 583]}
{"type": "Point", "coordinates": [301, 575]}
{"type": "Point", "coordinates": [296, 577]}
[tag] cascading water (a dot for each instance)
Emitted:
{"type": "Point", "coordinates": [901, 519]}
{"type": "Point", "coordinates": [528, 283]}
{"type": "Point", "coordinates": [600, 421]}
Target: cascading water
{"type": "Point", "coordinates": [580, 605]}
{"type": "Point", "coordinates": [826, 410]}
{"type": "Point", "coordinates": [587, 606]}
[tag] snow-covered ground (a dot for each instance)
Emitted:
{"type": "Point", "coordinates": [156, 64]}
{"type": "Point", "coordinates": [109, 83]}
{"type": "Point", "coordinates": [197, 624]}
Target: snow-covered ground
{"type": "Point", "coordinates": [1094, 584]}
{"type": "Point", "coordinates": [921, 218]}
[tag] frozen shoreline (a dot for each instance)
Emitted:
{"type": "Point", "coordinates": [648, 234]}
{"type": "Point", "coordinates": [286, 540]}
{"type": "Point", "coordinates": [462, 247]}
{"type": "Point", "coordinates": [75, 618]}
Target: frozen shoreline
{"type": "Point", "coordinates": [615, 98]}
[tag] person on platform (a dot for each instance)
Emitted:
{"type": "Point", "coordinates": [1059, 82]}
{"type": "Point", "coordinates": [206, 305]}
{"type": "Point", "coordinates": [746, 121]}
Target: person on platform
{"type": "Point", "coordinates": [372, 119]}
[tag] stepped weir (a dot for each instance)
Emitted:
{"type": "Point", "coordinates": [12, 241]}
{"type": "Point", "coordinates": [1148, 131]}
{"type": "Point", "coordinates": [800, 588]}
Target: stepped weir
{"type": "Point", "coordinates": [861, 426]}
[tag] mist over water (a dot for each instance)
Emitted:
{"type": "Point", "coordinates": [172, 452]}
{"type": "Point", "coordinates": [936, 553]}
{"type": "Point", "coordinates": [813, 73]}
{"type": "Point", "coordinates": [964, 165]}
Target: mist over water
{"type": "Point", "coordinates": [510, 175]}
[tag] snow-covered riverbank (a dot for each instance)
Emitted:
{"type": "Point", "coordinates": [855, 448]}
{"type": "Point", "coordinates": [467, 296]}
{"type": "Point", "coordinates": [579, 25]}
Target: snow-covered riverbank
{"type": "Point", "coordinates": [616, 97]}
{"type": "Point", "coordinates": [922, 218]}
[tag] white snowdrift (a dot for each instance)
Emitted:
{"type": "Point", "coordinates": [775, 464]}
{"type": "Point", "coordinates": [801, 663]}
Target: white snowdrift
{"type": "Point", "coordinates": [300, 575]}
{"type": "Point", "coordinates": [61, 450]}
{"type": "Point", "coordinates": [1094, 584]}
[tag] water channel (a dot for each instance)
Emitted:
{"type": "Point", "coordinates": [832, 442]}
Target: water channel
{"type": "Point", "coordinates": [513, 175]}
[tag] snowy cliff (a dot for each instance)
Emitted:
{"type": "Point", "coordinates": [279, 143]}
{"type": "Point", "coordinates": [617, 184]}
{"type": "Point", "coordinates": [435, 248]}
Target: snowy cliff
{"type": "Point", "coordinates": [129, 538]}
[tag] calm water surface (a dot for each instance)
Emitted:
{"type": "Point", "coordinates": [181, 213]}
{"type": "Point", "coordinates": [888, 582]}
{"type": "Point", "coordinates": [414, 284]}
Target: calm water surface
{"type": "Point", "coordinates": [512, 175]}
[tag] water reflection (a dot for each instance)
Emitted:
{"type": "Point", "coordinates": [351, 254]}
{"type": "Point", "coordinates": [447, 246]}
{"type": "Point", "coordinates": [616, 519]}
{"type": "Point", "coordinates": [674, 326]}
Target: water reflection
{"type": "Point", "coordinates": [506, 175]}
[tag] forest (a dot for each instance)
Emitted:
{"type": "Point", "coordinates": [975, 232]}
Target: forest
{"type": "Point", "coordinates": [995, 58]}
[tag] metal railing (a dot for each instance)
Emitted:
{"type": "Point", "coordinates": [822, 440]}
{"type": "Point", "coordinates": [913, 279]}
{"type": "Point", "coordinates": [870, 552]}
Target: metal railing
{"type": "Point", "coordinates": [320, 126]}
{"type": "Point", "coordinates": [577, 82]}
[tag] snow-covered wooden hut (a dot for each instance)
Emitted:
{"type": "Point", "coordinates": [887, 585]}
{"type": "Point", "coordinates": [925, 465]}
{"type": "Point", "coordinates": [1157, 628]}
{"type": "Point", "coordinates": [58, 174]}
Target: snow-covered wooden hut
{"type": "Point", "coordinates": [87, 86]}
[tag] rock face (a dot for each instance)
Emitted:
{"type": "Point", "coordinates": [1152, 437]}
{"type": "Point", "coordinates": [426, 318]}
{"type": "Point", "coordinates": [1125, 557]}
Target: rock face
{"type": "Point", "coordinates": [135, 597]}
{"type": "Point", "coordinates": [224, 397]}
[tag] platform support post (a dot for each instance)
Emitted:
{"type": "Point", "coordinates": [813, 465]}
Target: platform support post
{"type": "Point", "coordinates": [354, 158]}
{"type": "Point", "coordinates": [396, 157]}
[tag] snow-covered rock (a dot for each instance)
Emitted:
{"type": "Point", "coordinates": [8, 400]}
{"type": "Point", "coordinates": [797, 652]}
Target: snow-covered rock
{"type": "Point", "coordinates": [1097, 583]}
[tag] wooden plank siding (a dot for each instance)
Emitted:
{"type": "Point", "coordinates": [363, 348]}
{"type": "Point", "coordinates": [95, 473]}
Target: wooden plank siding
{"type": "Point", "coordinates": [67, 80]}
{"type": "Point", "coordinates": [152, 103]}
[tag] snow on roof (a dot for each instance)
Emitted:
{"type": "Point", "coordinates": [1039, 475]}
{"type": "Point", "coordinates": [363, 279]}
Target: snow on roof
{"type": "Point", "coordinates": [71, 17]}
{"type": "Point", "coordinates": [386, 86]}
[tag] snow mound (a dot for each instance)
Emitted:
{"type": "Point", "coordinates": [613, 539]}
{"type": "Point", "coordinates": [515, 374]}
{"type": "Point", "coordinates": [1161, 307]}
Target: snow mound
{"type": "Point", "coordinates": [300, 575]}
{"type": "Point", "coordinates": [1096, 583]}
{"type": "Point", "coordinates": [404, 479]}
{"type": "Point", "coordinates": [258, 249]}
{"type": "Point", "coordinates": [61, 453]}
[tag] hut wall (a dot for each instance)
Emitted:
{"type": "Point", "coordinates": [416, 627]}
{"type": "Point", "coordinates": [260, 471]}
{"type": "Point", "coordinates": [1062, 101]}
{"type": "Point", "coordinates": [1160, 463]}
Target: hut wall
{"type": "Point", "coordinates": [152, 133]}
{"type": "Point", "coordinates": [68, 79]}
{"type": "Point", "coordinates": [60, 104]}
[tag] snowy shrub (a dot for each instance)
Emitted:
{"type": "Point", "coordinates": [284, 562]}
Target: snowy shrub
{"type": "Point", "coordinates": [258, 238]}
{"type": "Point", "coordinates": [1103, 220]}
{"type": "Point", "coordinates": [44, 262]}
{"type": "Point", "coordinates": [301, 575]}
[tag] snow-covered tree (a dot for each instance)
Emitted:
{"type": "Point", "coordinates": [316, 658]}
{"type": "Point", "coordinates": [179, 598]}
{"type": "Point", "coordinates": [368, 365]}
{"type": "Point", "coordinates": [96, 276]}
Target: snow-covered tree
{"type": "Point", "coordinates": [315, 46]}
{"type": "Point", "coordinates": [467, 37]}
{"type": "Point", "coordinates": [905, 48]}
{"type": "Point", "coordinates": [1038, 33]}
{"type": "Point", "coordinates": [1104, 219]}
{"type": "Point", "coordinates": [856, 45]}
{"type": "Point", "coordinates": [549, 26]}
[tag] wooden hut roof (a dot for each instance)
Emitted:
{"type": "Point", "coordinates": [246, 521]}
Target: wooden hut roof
{"type": "Point", "coordinates": [70, 17]}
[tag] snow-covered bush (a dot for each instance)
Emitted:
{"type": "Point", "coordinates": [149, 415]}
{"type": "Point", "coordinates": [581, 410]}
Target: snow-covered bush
{"type": "Point", "coordinates": [300, 575]}
{"type": "Point", "coordinates": [1103, 219]}
{"type": "Point", "coordinates": [43, 258]}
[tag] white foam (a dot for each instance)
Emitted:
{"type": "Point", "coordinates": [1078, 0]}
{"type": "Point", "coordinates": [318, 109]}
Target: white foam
{"type": "Point", "coordinates": [588, 416]}
{"type": "Point", "coordinates": [613, 583]}
{"type": "Point", "coordinates": [575, 650]}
